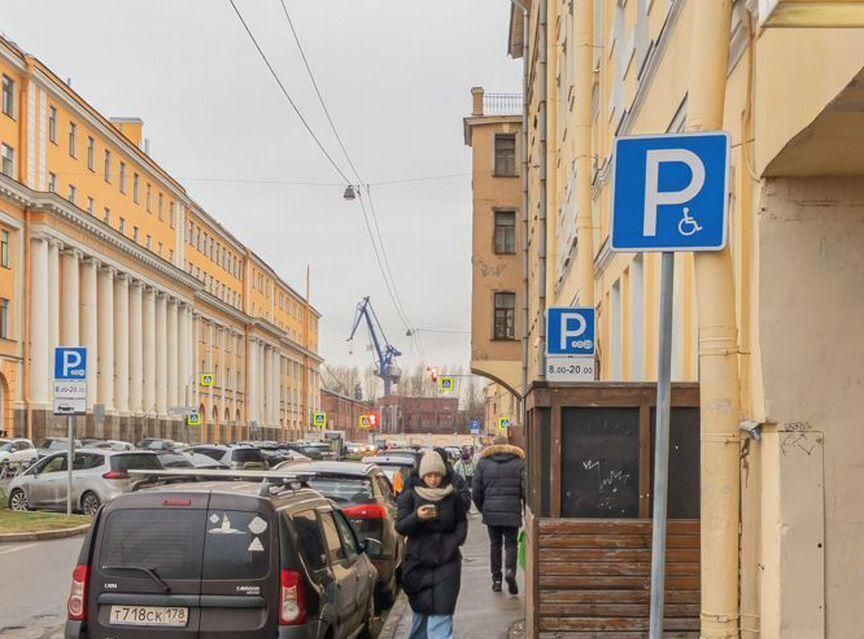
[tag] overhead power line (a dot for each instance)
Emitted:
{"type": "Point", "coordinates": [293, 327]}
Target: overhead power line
{"type": "Point", "coordinates": [288, 95]}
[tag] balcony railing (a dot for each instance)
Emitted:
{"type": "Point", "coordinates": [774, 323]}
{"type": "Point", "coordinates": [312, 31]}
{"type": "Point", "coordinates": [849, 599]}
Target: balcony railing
{"type": "Point", "coordinates": [502, 104]}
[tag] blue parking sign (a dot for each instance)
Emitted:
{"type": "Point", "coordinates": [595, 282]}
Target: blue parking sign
{"type": "Point", "coordinates": [671, 192]}
{"type": "Point", "coordinates": [70, 363]}
{"type": "Point", "coordinates": [570, 331]}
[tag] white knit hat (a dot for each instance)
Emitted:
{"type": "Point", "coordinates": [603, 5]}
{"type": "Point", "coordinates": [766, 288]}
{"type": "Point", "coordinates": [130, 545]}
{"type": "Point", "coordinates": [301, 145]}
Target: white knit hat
{"type": "Point", "coordinates": [431, 462]}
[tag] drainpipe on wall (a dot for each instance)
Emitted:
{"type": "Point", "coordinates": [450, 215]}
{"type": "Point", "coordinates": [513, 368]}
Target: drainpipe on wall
{"type": "Point", "coordinates": [718, 349]}
{"type": "Point", "coordinates": [584, 62]}
{"type": "Point", "coordinates": [543, 49]}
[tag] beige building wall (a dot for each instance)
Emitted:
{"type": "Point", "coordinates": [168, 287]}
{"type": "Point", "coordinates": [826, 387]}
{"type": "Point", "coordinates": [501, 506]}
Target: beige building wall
{"type": "Point", "coordinates": [793, 112]}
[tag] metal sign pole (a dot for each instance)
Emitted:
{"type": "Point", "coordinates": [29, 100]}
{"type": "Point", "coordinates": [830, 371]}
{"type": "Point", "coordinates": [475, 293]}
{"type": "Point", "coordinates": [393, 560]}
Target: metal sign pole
{"type": "Point", "coordinates": [661, 447]}
{"type": "Point", "coordinates": [70, 433]}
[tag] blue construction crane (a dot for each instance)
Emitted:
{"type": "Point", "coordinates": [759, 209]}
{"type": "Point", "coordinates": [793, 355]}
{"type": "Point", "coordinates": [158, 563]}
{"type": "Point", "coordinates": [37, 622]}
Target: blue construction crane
{"type": "Point", "coordinates": [385, 353]}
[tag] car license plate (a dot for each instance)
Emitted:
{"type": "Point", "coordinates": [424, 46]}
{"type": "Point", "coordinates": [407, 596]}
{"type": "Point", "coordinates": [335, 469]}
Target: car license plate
{"type": "Point", "coordinates": [149, 616]}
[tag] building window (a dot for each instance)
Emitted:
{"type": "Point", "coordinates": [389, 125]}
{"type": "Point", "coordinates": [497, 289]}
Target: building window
{"type": "Point", "coordinates": [107, 165]}
{"type": "Point", "coordinates": [8, 96]}
{"type": "Point", "coordinates": [505, 232]}
{"type": "Point", "coordinates": [106, 216]}
{"type": "Point", "coordinates": [122, 227]}
{"type": "Point", "coordinates": [52, 182]}
{"type": "Point", "coordinates": [198, 239]}
{"type": "Point", "coordinates": [4, 318]}
{"type": "Point", "coordinates": [159, 205]}
{"type": "Point", "coordinates": [136, 195]}
{"type": "Point", "coordinates": [72, 193]}
{"type": "Point", "coordinates": [505, 316]}
{"type": "Point", "coordinates": [8, 154]}
{"type": "Point", "coordinates": [505, 155]}
{"type": "Point", "coordinates": [147, 197]}
{"type": "Point", "coordinates": [52, 124]}
{"type": "Point", "coordinates": [91, 153]}
{"type": "Point", "coordinates": [5, 259]}
{"type": "Point", "coordinates": [122, 177]}
{"type": "Point", "coordinates": [135, 234]}
{"type": "Point", "coordinates": [172, 218]}
{"type": "Point", "coordinates": [73, 139]}
{"type": "Point", "coordinates": [90, 205]}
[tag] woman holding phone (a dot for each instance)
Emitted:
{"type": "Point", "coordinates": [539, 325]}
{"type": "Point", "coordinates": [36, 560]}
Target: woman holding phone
{"type": "Point", "coordinates": [432, 517]}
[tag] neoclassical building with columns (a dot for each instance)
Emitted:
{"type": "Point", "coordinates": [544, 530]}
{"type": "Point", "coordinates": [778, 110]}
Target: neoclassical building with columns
{"type": "Point", "coordinates": [100, 247]}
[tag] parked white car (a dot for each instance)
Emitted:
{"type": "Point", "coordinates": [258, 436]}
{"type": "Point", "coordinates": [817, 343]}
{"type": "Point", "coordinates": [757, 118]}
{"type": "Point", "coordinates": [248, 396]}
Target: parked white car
{"type": "Point", "coordinates": [17, 451]}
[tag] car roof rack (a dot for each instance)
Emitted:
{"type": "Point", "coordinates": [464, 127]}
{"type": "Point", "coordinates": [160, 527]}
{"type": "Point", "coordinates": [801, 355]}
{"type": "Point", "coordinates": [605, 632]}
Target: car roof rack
{"type": "Point", "coordinates": [269, 478]}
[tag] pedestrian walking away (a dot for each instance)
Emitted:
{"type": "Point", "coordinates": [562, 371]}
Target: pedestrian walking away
{"type": "Point", "coordinates": [499, 493]}
{"type": "Point", "coordinates": [433, 517]}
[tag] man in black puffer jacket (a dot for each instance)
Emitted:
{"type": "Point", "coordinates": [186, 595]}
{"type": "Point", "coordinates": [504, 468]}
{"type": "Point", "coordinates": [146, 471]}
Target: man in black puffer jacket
{"type": "Point", "coordinates": [498, 491]}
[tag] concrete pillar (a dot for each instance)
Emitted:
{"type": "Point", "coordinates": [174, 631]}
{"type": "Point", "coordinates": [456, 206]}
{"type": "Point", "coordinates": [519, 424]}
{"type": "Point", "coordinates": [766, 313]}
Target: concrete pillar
{"type": "Point", "coordinates": [53, 294]}
{"type": "Point", "coordinates": [262, 384]}
{"type": "Point", "coordinates": [277, 386]}
{"type": "Point", "coordinates": [136, 349]}
{"type": "Point", "coordinates": [251, 381]}
{"type": "Point", "coordinates": [70, 327]}
{"type": "Point", "coordinates": [40, 354]}
{"type": "Point", "coordinates": [196, 366]}
{"type": "Point", "coordinates": [88, 317]}
{"type": "Point", "coordinates": [149, 348]}
{"type": "Point", "coordinates": [161, 378]}
{"type": "Point", "coordinates": [121, 343]}
{"type": "Point", "coordinates": [182, 352]}
{"type": "Point", "coordinates": [106, 337]}
{"type": "Point", "coordinates": [173, 355]}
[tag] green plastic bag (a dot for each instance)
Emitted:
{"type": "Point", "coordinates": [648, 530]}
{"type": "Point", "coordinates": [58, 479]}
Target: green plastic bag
{"type": "Point", "coordinates": [523, 543]}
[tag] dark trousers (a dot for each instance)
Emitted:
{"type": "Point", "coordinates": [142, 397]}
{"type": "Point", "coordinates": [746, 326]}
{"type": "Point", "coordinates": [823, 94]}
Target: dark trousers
{"type": "Point", "coordinates": [508, 537]}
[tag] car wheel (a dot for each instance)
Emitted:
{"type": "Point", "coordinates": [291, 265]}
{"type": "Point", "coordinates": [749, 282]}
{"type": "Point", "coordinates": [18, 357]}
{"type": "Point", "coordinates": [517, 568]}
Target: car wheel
{"type": "Point", "coordinates": [18, 500]}
{"type": "Point", "coordinates": [90, 503]}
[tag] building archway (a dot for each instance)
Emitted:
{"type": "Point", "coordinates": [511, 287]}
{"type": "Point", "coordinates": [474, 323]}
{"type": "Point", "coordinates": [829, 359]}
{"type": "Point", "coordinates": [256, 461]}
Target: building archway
{"type": "Point", "coordinates": [217, 429]}
{"type": "Point", "coordinates": [202, 429]}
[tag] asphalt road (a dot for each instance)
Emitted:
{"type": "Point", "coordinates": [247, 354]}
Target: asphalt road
{"type": "Point", "coordinates": [36, 577]}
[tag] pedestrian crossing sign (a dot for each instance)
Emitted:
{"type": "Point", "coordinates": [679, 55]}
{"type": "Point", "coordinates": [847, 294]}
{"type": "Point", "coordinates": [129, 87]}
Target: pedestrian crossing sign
{"type": "Point", "coordinates": [364, 422]}
{"type": "Point", "coordinates": [447, 384]}
{"type": "Point", "coordinates": [503, 423]}
{"type": "Point", "coordinates": [319, 420]}
{"type": "Point", "coordinates": [193, 419]}
{"type": "Point", "coordinates": [206, 380]}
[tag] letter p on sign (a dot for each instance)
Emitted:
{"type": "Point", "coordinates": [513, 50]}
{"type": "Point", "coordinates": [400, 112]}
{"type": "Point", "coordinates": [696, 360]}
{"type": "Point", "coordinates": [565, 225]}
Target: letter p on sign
{"type": "Point", "coordinates": [70, 363]}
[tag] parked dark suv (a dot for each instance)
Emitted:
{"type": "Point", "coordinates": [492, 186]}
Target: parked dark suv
{"type": "Point", "coordinates": [365, 496]}
{"type": "Point", "coordinates": [221, 560]}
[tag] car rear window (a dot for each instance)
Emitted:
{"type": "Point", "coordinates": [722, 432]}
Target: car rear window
{"type": "Point", "coordinates": [244, 455]}
{"type": "Point", "coordinates": [135, 461]}
{"type": "Point", "coordinates": [343, 489]}
{"type": "Point", "coordinates": [237, 545]}
{"type": "Point", "coordinates": [166, 541]}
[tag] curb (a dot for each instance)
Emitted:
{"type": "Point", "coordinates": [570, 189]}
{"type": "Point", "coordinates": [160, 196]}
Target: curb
{"type": "Point", "coordinates": [45, 534]}
{"type": "Point", "coordinates": [394, 616]}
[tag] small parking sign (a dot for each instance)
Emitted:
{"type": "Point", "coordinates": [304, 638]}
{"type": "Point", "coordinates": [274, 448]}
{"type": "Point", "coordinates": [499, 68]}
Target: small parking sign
{"type": "Point", "coordinates": [70, 381]}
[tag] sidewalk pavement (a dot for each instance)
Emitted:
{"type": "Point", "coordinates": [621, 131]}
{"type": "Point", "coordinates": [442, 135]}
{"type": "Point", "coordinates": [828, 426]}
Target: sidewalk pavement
{"type": "Point", "coordinates": [480, 613]}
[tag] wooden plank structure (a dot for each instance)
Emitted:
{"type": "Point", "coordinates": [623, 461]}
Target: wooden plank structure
{"type": "Point", "coordinates": [590, 449]}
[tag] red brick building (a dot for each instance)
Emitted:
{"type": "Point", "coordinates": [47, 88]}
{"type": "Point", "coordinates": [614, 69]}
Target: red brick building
{"type": "Point", "coordinates": [414, 415]}
{"type": "Point", "coordinates": [343, 413]}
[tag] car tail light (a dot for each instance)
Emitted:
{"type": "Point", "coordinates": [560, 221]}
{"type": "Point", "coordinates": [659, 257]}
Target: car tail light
{"type": "Point", "coordinates": [115, 474]}
{"type": "Point", "coordinates": [76, 606]}
{"type": "Point", "coordinates": [366, 511]}
{"type": "Point", "coordinates": [292, 599]}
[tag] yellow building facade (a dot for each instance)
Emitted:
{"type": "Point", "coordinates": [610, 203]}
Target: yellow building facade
{"type": "Point", "coordinates": [102, 248]}
{"type": "Point", "coordinates": [782, 559]}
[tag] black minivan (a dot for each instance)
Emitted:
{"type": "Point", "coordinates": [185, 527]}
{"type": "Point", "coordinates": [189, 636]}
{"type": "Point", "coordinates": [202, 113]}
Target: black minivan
{"type": "Point", "coordinates": [226, 559]}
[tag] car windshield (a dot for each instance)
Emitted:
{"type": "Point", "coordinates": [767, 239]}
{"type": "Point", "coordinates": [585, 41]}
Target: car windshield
{"type": "Point", "coordinates": [134, 461]}
{"type": "Point", "coordinates": [6, 448]}
{"type": "Point", "coordinates": [343, 489]}
{"type": "Point", "coordinates": [175, 461]}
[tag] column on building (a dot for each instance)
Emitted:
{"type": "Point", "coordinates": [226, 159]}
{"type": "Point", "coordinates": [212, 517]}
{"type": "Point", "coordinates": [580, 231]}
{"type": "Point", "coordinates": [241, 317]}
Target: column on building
{"type": "Point", "coordinates": [277, 385]}
{"type": "Point", "coordinates": [149, 348]}
{"type": "Point", "coordinates": [121, 343]}
{"type": "Point", "coordinates": [136, 348]}
{"type": "Point", "coordinates": [209, 328]}
{"type": "Point", "coordinates": [54, 294]}
{"type": "Point", "coordinates": [70, 328]}
{"type": "Point", "coordinates": [173, 354]}
{"type": "Point", "coordinates": [40, 360]}
{"type": "Point", "coordinates": [196, 368]}
{"type": "Point", "coordinates": [182, 353]}
{"type": "Point", "coordinates": [223, 382]}
{"type": "Point", "coordinates": [106, 337]}
{"type": "Point", "coordinates": [89, 320]}
{"type": "Point", "coordinates": [251, 381]}
{"type": "Point", "coordinates": [262, 383]}
{"type": "Point", "coordinates": [161, 378]}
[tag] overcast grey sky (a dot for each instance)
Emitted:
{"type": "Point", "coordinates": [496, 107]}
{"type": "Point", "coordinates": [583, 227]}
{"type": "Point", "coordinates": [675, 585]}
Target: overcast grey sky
{"type": "Point", "coordinates": [396, 76]}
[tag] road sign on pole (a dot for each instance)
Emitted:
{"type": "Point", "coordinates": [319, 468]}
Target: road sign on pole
{"type": "Point", "coordinates": [670, 194]}
{"type": "Point", "coordinates": [319, 420]}
{"type": "Point", "coordinates": [447, 384]}
{"type": "Point", "coordinates": [206, 380]}
{"type": "Point", "coordinates": [570, 344]}
{"type": "Point", "coordinates": [70, 399]}
{"type": "Point", "coordinates": [475, 426]}
{"type": "Point", "coordinates": [503, 423]}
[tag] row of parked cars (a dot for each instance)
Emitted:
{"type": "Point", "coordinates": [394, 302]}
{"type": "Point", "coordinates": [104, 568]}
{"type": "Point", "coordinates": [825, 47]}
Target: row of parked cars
{"type": "Point", "coordinates": [304, 549]}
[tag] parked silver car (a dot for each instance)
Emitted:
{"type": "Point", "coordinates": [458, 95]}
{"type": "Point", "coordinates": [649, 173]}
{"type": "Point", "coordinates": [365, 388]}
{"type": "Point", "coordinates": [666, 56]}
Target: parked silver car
{"type": "Point", "coordinates": [98, 476]}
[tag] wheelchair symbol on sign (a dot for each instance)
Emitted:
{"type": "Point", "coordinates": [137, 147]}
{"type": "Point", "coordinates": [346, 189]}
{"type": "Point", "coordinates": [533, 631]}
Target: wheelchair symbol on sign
{"type": "Point", "coordinates": [688, 225]}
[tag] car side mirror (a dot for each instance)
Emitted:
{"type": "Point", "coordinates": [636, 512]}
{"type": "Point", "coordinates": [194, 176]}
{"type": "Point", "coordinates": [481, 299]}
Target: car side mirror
{"type": "Point", "coordinates": [373, 547]}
